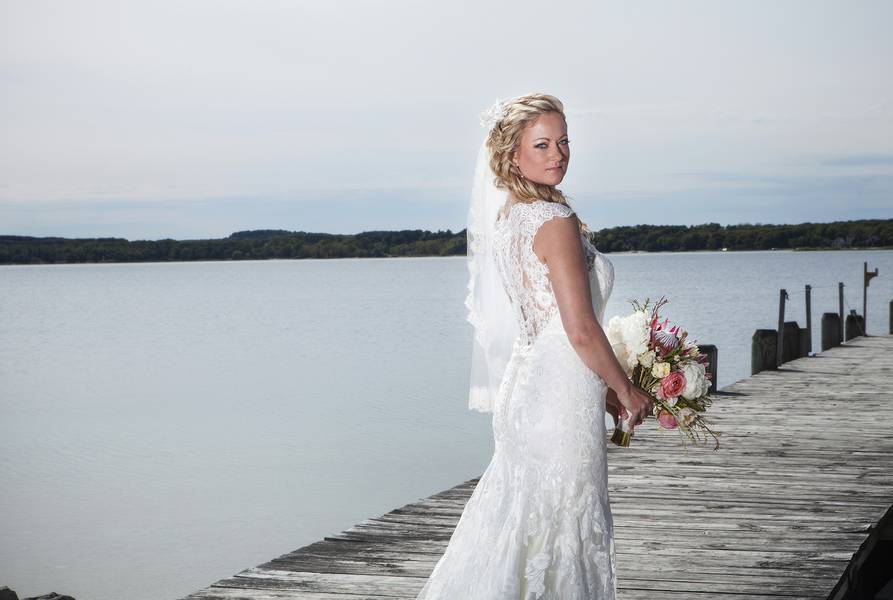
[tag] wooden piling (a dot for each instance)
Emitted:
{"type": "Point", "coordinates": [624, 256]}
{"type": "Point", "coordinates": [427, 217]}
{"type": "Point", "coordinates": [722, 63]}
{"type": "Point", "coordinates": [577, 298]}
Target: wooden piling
{"type": "Point", "coordinates": [855, 326]}
{"type": "Point", "coordinates": [712, 356]}
{"type": "Point", "coordinates": [805, 342]}
{"type": "Point", "coordinates": [831, 329]}
{"type": "Point", "coordinates": [808, 321]}
{"type": "Point", "coordinates": [780, 339]}
{"type": "Point", "coordinates": [840, 310]}
{"type": "Point", "coordinates": [763, 350]}
{"type": "Point", "coordinates": [791, 346]}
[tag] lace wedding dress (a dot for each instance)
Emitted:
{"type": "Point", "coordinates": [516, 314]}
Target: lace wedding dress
{"type": "Point", "coordinates": [538, 525]}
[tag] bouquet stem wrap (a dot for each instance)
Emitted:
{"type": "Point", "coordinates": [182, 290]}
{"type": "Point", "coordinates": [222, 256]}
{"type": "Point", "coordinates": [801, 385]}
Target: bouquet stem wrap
{"type": "Point", "coordinates": [622, 432]}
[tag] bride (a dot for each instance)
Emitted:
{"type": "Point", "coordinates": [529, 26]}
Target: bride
{"type": "Point", "coordinates": [538, 525]}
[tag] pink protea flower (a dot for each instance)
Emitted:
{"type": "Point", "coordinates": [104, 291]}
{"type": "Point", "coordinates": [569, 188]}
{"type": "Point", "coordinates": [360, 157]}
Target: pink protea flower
{"type": "Point", "coordinates": [666, 420]}
{"type": "Point", "coordinates": [672, 385]}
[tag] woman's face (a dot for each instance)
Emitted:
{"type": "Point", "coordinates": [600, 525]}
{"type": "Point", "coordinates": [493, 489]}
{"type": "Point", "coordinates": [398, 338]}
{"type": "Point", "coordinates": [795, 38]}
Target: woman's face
{"type": "Point", "coordinates": [543, 152]}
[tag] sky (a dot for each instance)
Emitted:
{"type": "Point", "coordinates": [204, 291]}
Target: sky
{"type": "Point", "coordinates": [193, 119]}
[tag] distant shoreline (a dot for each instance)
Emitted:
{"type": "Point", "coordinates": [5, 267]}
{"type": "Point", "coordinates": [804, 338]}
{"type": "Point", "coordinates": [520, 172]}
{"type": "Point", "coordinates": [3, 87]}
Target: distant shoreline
{"type": "Point", "coordinates": [868, 234]}
{"type": "Point", "coordinates": [454, 256]}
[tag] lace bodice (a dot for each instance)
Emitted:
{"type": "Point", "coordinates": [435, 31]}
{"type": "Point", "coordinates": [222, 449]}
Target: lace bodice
{"type": "Point", "coordinates": [526, 277]}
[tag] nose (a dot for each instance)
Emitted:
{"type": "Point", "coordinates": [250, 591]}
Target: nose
{"type": "Point", "coordinates": [556, 152]}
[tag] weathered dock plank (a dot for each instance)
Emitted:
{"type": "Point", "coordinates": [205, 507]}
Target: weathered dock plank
{"type": "Point", "coordinates": [790, 502]}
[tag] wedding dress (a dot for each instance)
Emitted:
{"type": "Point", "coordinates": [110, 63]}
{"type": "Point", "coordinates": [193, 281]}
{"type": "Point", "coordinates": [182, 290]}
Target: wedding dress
{"type": "Point", "coordinates": [538, 525]}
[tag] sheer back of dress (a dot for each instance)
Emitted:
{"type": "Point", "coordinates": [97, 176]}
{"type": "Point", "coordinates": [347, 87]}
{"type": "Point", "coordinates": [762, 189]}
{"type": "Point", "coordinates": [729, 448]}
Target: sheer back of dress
{"type": "Point", "coordinates": [524, 275]}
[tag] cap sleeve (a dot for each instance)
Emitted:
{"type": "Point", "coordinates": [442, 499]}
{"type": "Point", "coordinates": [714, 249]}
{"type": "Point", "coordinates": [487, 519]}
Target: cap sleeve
{"type": "Point", "coordinates": [537, 213]}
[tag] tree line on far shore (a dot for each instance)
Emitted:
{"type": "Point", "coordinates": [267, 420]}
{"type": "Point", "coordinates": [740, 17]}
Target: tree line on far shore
{"type": "Point", "coordinates": [278, 243]}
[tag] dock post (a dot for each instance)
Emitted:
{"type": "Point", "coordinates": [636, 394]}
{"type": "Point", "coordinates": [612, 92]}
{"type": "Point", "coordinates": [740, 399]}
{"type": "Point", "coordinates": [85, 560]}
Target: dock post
{"type": "Point", "coordinates": [891, 317]}
{"type": "Point", "coordinates": [805, 339]}
{"type": "Point", "coordinates": [791, 344]}
{"type": "Point", "coordinates": [712, 355]}
{"type": "Point", "coordinates": [855, 325]}
{"type": "Point", "coordinates": [840, 307]}
{"type": "Point", "coordinates": [830, 330]}
{"type": "Point", "coordinates": [763, 351]}
{"type": "Point", "coordinates": [866, 279]}
{"type": "Point", "coordinates": [808, 321]}
{"type": "Point", "coordinates": [779, 357]}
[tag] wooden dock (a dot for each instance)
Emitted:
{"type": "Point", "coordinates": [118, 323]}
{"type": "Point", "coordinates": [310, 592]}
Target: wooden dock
{"type": "Point", "coordinates": [788, 508]}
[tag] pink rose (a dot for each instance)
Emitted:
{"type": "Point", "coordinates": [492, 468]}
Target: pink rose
{"type": "Point", "coordinates": [666, 420]}
{"type": "Point", "coordinates": [672, 385]}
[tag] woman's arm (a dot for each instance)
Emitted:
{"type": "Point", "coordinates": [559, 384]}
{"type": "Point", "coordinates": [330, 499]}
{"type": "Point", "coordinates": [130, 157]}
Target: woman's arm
{"type": "Point", "coordinates": [557, 243]}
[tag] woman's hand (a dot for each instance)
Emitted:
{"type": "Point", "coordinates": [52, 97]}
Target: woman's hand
{"type": "Point", "coordinates": [613, 407]}
{"type": "Point", "coordinates": [636, 402]}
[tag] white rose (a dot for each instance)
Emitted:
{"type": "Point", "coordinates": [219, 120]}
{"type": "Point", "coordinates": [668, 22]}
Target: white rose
{"type": "Point", "coordinates": [622, 357]}
{"type": "Point", "coordinates": [628, 337]}
{"type": "Point", "coordinates": [695, 380]}
{"type": "Point", "coordinates": [647, 359]}
{"type": "Point", "coordinates": [613, 327]}
{"type": "Point", "coordinates": [705, 387]}
{"type": "Point", "coordinates": [612, 331]}
{"type": "Point", "coordinates": [635, 332]}
{"type": "Point", "coordinates": [660, 370]}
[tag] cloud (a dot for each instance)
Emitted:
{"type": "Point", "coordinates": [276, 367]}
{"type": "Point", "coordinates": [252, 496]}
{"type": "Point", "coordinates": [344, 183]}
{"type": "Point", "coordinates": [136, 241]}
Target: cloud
{"type": "Point", "coordinates": [857, 160]}
{"type": "Point", "coordinates": [788, 185]}
{"type": "Point", "coordinates": [254, 109]}
{"type": "Point", "coordinates": [636, 109]}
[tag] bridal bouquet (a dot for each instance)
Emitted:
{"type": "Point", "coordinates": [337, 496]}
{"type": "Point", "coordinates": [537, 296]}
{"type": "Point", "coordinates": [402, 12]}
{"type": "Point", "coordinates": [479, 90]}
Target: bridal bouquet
{"type": "Point", "coordinates": [665, 364]}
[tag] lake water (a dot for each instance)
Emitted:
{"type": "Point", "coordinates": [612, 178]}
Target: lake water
{"type": "Point", "coordinates": [165, 425]}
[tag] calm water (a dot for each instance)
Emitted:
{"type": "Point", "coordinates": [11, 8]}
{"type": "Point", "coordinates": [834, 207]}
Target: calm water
{"type": "Point", "coordinates": [164, 425]}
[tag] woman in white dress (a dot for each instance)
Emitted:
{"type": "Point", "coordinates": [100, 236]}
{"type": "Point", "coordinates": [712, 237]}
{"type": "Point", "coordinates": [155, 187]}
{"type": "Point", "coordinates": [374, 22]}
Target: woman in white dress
{"type": "Point", "coordinates": [538, 525]}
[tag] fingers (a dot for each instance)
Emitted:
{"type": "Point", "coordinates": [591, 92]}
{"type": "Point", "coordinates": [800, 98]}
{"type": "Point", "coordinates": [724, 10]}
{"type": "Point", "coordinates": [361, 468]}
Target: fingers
{"type": "Point", "coordinates": [647, 406]}
{"type": "Point", "coordinates": [642, 412]}
{"type": "Point", "coordinates": [635, 417]}
{"type": "Point", "coordinates": [641, 405]}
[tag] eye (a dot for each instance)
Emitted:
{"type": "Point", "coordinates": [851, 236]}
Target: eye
{"type": "Point", "coordinates": [540, 145]}
{"type": "Point", "coordinates": [565, 142]}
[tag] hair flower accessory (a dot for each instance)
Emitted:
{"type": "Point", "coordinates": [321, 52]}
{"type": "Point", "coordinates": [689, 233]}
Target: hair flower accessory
{"type": "Point", "coordinates": [493, 115]}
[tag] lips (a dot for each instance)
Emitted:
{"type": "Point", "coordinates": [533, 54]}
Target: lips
{"type": "Point", "coordinates": [554, 168]}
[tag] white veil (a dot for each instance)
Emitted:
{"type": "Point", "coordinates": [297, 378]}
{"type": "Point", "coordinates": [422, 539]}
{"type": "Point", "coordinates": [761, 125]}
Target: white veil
{"type": "Point", "coordinates": [489, 309]}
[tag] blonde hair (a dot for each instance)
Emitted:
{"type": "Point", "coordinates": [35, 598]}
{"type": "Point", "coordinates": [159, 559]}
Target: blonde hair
{"type": "Point", "coordinates": [503, 140]}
